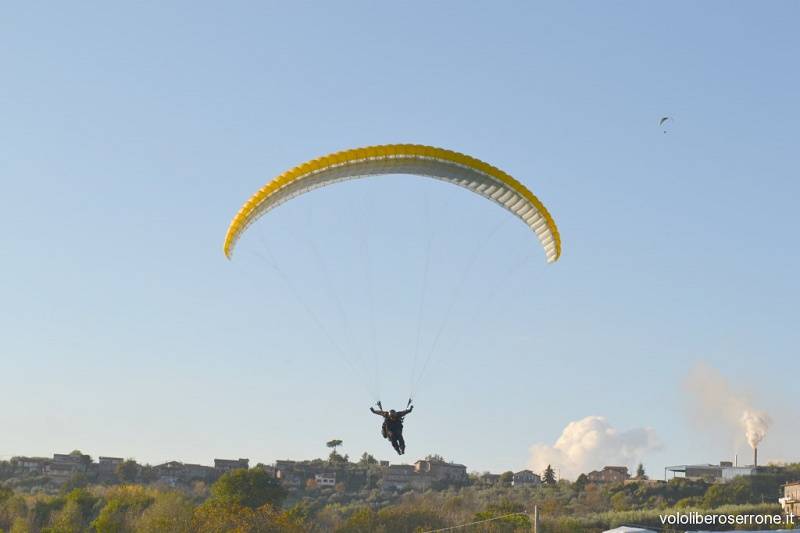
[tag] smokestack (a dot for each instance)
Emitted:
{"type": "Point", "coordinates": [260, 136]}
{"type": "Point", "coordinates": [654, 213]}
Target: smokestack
{"type": "Point", "coordinates": [755, 457]}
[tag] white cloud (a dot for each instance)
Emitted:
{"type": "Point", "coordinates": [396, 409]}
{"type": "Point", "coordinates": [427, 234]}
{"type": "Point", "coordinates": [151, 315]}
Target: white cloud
{"type": "Point", "coordinates": [591, 443]}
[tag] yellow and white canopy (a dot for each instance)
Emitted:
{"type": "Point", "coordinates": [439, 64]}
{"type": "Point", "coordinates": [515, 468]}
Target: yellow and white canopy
{"type": "Point", "coordinates": [452, 167]}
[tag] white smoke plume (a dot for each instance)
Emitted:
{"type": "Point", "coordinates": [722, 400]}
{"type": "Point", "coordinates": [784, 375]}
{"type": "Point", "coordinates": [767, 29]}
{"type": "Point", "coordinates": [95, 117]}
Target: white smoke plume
{"type": "Point", "coordinates": [590, 444]}
{"type": "Point", "coordinates": [755, 425]}
{"type": "Point", "coordinates": [716, 402]}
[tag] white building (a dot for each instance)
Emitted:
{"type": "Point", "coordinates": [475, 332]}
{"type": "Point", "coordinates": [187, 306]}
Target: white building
{"type": "Point", "coordinates": [724, 471]}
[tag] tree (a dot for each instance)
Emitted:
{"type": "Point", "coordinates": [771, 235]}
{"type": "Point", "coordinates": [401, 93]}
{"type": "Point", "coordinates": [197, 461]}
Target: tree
{"type": "Point", "coordinates": [434, 458]}
{"type": "Point", "coordinates": [300, 514]}
{"type": "Point", "coordinates": [361, 520]}
{"type": "Point", "coordinates": [335, 443]}
{"type": "Point", "coordinates": [171, 512]}
{"type": "Point", "coordinates": [20, 525]}
{"type": "Point", "coordinates": [147, 474]}
{"type": "Point", "coordinates": [76, 513]}
{"type": "Point", "coordinates": [621, 502]}
{"type": "Point", "coordinates": [337, 458]}
{"type": "Point", "coordinates": [581, 482]}
{"type": "Point", "coordinates": [549, 476]}
{"type": "Point", "coordinates": [505, 516]}
{"type": "Point", "coordinates": [507, 477]}
{"type": "Point", "coordinates": [77, 480]}
{"type": "Point", "coordinates": [392, 519]}
{"type": "Point", "coordinates": [367, 459]}
{"type": "Point", "coordinates": [640, 472]}
{"type": "Point", "coordinates": [726, 494]}
{"type": "Point", "coordinates": [249, 488]}
{"type": "Point", "coordinates": [127, 471]}
{"type": "Point", "coordinates": [123, 507]}
{"type": "Point", "coordinates": [215, 516]}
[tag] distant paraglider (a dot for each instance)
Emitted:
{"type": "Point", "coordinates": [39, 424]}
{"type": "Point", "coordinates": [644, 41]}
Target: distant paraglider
{"type": "Point", "coordinates": [663, 123]}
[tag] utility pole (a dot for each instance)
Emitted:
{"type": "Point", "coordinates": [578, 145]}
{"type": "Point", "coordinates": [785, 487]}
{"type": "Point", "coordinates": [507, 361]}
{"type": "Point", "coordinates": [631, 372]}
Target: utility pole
{"type": "Point", "coordinates": [535, 519]}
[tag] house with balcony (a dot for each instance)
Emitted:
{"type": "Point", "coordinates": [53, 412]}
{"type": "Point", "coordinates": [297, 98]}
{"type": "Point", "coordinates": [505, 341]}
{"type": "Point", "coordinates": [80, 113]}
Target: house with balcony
{"type": "Point", "coordinates": [790, 502]}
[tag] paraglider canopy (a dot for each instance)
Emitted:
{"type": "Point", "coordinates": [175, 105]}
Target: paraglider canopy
{"type": "Point", "coordinates": [438, 163]}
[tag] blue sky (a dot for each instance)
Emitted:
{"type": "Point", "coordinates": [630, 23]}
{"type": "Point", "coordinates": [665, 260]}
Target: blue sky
{"type": "Point", "coordinates": [131, 135]}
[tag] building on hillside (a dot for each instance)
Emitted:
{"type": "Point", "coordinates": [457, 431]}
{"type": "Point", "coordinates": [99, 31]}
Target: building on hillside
{"type": "Point", "coordinates": [30, 465]}
{"type": "Point", "coordinates": [65, 466]}
{"type": "Point", "coordinates": [226, 465]}
{"type": "Point", "coordinates": [107, 468]}
{"type": "Point", "coordinates": [732, 472]}
{"type": "Point", "coordinates": [487, 478]}
{"type": "Point", "coordinates": [724, 471]}
{"type": "Point", "coordinates": [287, 472]}
{"type": "Point", "coordinates": [325, 480]}
{"type": "Point", "coordinates": [283, 467]}
{"type": "Point", "coordinates": [195, 472]}
{"type": "Point", "coordinates": [609, 474]}
{"type": "Point", "coordinates": [399, 477]}
{"type": "Point", "coordinates": [423, 474]}
{"type": "Point", "coordinates": [269, 469]}
{"type": "Point", "coordinates": [168, 473]}
{"type": "Point", "coordinates": [526, 477]}
{"type": "Point", "coordinates": [791, 498]}
{"type": "Point", "coordinates": [80, 461]}
{"type": "Point", "coordinates": [298, 473]}
{"type": "Point", "coordinates": [175, 473]}
{"type": "Point", "coordinates": [295, 474]}
{"type": "Point", "coordinates": [442, 471]}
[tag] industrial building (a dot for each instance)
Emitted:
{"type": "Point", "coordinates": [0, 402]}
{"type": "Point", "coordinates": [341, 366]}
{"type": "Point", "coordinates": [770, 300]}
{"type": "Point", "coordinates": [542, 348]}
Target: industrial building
{"type": "Point", "coordinates": [724, 471]}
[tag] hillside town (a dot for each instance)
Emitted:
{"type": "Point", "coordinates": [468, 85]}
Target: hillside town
{"type": "Point", "coordinates": [431, 472]}
{"type": "Point", "coordinates": [50, 475]}
{"type": "Point", "coordinates": [339, 492]}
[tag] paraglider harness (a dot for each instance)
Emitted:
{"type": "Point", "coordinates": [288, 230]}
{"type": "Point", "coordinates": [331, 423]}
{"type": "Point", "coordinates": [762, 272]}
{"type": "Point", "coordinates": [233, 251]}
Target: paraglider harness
{"type": "Point", "coordinates": [385, 425]}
